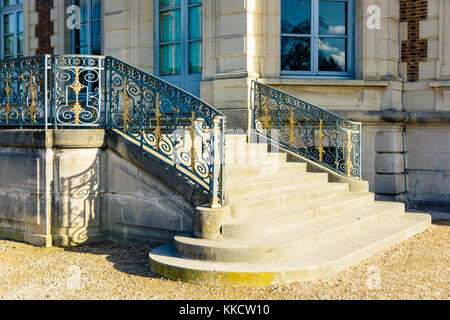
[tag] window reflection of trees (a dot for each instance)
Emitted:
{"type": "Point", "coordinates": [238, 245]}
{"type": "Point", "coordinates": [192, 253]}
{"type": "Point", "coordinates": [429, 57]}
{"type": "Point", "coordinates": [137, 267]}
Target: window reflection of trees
{"type": "Point", "coordinates": [296, 51]}
{"type": "Point", "coordinates": [328, 62]}
{"type": "Point", "coordinates": [296, 46]}
{"type": "Point", "coordinates": [296, 54]}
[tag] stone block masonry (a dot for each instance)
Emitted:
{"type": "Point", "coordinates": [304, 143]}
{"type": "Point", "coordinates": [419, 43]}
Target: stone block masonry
{"type": "Point", "coordinates": [65, 188]}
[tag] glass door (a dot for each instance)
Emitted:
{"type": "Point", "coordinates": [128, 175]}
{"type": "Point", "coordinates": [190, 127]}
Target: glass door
{"type": "Point", "coordinates": [178, 57]}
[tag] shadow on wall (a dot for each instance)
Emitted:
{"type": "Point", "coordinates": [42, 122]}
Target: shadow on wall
{"type": "Point", "coordinates": [78, 204]}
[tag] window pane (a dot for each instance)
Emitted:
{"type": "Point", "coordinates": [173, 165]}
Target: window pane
{"type": "Point", "coordinates": [195, 22]}
{"type": "Point", "coordinates": [84, 10]}
{"type": "Point", "coordinates": [332, 54]}
{"type": "Point", "coordinates": [96, 9]}
{"type": "Point", "coordinates": [194, 1]}
{"type": "Point", "coordinates": [195, 57]}
{"type": "Point", "coordinates": [82, 38]}
{"type": "Point", "coordinates": [19, 22]}
{"type": "Point", "coordinates": [20, 44]}
{"type": "Point", "coordinates": [84, 50]}
{"type": "Point", "coordinates": [96, 33]}
{"type": "Point", "coordinates": [7, 3]}
{"type": "Point", "coordinates": [169, 3]}
{"type": "Point", "coordinates": [170, 60]}
{"type": "Point", "coordinates": [170, 26]}
{"type": "Point", "coordinates": [295, 54]}
{"type": "Point", "coordinates": [9, 46]}
{"type": "Point", "coordinates": [8, 26]}
{"type": "Point", "coordinates": [333, 18]}
{"type": "Point", "coordinates": [296, 16]}
{"type": "Point", "coordinates": [97, 50]}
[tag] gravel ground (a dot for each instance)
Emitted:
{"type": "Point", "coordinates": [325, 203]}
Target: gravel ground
{"type": "Point", "coordinates": [419, 268]}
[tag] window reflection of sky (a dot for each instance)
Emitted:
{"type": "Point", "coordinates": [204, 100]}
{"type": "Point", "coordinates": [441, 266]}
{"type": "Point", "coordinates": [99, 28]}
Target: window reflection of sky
{"type": "Point", "coordinates": [296, 17]}
{"type": "Point", "coordinates": [332, 54]}
{"type": "Point", "coordinates": [332, 18]}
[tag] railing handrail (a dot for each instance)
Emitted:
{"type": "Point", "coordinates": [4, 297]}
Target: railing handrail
{"type": "Point", "coordinates": [343, 151]}
{"type": "Point", "coordinates": [308, 104]}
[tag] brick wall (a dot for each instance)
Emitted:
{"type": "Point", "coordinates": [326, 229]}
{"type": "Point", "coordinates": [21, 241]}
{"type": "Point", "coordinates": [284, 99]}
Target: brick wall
{"type": "Point", "coordinates": [414, 49]}
{"type": "Point", "coordinates": [45, 27]}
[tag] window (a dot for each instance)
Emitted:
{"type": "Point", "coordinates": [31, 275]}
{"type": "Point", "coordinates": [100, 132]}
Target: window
{"type": "Point", "coordinates": [178, 38]}
{"type": "Point", "coordinates": [317, 38]}
{"type": "Point", "coordinates": [11, 28]}
{"type": "Point", "coordinates": [88, 39]}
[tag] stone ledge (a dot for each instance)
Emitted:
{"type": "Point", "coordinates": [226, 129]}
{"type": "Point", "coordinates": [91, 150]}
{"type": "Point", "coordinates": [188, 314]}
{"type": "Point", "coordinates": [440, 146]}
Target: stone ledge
{"type": "Point", "coordinates": [440, 84]}
{"type": "Point", "coordinates": [395, 116]}
{"type": "Point", "coordinates": [30, 238]}
{"type": "Point", "coordinates": [324, 82]}
{"type": "Point", "coordinates": [40, 138]}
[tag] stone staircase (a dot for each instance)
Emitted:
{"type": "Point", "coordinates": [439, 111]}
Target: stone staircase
{"type": "Point", "coordinates": [285, 225]}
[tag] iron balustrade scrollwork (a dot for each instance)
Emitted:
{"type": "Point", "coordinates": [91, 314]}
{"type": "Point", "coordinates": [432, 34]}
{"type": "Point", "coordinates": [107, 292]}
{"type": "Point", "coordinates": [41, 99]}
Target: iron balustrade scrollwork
{"type": "Point", "coordinates": [24, 91]}
{"type": "Point", "coordinates": [79, 91]}
{"type": "Point", "coordinates": [169, 123]}
{"type": "Point", "coordinates": [307, 130]}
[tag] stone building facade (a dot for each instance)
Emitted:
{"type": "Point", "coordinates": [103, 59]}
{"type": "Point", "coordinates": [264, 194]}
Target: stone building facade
{"type": "Point", "coordinates": [397, 57]}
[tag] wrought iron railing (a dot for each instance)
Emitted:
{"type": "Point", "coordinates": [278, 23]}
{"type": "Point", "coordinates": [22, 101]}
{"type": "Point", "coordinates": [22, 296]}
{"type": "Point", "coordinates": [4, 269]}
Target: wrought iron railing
{"type": "Point", "coordinates": [23, 95]}
{"type": "Point", "coordinates": [307, 130]}
{"type": "Point", "coordinates": [168, 123]}
{"type": "Point", "coordinates": [77, 91]}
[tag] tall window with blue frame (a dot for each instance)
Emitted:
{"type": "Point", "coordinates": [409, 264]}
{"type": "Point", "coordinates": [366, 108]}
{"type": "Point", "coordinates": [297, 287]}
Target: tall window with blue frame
{"type": "Point", "coordinates": [317, 38]}
{"type": "Point", "coordinates": [11, 28]}
{"type": "Point", "coordinates": [179, 42]}
{"type": "Point", "coordinates": [88, 38]}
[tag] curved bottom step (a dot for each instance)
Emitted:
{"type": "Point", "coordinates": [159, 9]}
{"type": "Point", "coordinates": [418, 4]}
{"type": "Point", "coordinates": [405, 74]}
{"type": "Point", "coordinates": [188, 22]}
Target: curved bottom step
{"type": "Point", "coordinates": [319, 263]}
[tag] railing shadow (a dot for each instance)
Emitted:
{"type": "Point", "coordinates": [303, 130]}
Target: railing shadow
{"type": "Point", "coordinates": [77, 205]}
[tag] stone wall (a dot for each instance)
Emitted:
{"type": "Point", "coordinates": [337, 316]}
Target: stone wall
{"type": "Point", "coordinates": [428, 166]}
{"type": "Point", "coordinates": [128, 32]}
{"type": "Point", "coordinates": [65, 188]}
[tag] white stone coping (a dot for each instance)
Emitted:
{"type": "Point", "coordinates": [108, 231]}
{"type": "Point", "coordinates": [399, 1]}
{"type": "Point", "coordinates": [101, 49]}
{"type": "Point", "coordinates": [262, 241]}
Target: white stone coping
{"type": "Point", "coordinates": [440, 84]}
{"type": "Point", "coordinates": [324, 82]}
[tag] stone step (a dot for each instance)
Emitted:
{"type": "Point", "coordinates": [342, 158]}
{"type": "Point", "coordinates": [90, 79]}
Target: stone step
{"type": "Point", "coordinates": [289, 198]}
{"type": "Point", "coordinates": [255, 159]}
{"type": "Point", "coordinates": [250, 171]}
{"type": "Point", "coordinates": [286, 219]}
{"type": "Point", "coordinates": [317, 263]}
{"type": "Point", "coordinates": [237, 188]}
{"type": "Point", "coordinates": [236, 139]}
{"type": "Point", "coordinates": [233, 148]}
{"type": "Point", "coordinates": [282, 245]}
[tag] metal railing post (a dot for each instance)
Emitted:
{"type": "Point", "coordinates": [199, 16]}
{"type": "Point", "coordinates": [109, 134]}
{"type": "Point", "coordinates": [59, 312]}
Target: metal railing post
{"type": "Point", "coordinates": [223, 160]}
{"type": "Point", "coordinates": [46, 87]}
{"type": "Point", "coordinates": [216, 198]}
